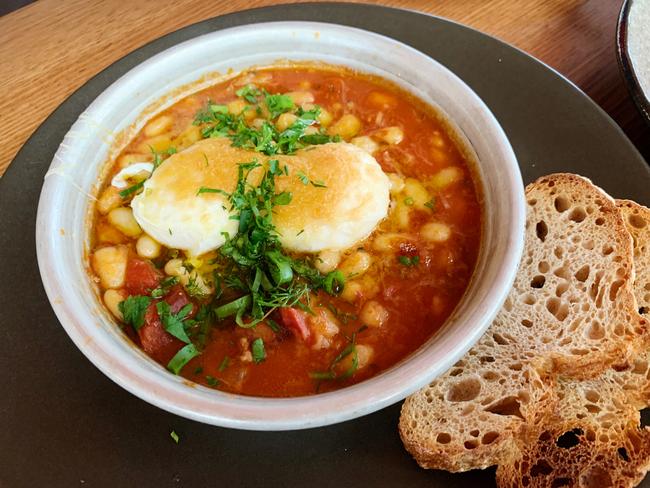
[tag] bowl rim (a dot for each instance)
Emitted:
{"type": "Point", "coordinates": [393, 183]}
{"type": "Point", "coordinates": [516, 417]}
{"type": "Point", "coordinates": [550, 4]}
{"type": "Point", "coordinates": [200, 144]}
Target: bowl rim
{"type": "Point", "coordinates": [625, 63]}
{"type": "Point", "coordinates": [253, 412]}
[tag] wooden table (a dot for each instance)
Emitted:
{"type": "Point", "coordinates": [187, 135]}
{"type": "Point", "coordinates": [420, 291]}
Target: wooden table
{"type": "Point", "coordinates": [50, 48]}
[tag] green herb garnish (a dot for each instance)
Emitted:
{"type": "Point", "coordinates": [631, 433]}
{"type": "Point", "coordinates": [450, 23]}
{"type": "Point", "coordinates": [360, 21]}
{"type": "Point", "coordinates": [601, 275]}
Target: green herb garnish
{"type": "Point", "coordinates": [133, 310]}
{"type": "Point", "coordinates": [331, 374]}
{"type": "Point", "coordinates": [409, 201]}
{"type": "Point", "coordinates": [182, 357]}
{"type": "Point", "coordinates": [211, 380]}
{"type": "Point", "coordinates": [174, 436]}
{"type": "Point", "coordinates": [431, 203]}
{"type": "Point", "coordinates": [257, 348]}
{"type": "Point", "coordinates": [173, 323]}
{"type": "Point", "coordinates": [164, 286]}
{"type": "Point", "coordinates": [265, 139]}
{"type": "Point", "coordinates": [409, 261]}
{"type": "Point", "coordinates": [249, 93]}
{"type": "Point", "coordinates": [132, 189]}
{"type": "Point", "coordinates": [255, 264]}
{"type": "Point", "coordinates": [278, 104]}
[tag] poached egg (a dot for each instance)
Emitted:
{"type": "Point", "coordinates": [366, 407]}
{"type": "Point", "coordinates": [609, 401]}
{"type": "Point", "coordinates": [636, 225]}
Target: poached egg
{"type": "Point", "coordinates": [339, 195]}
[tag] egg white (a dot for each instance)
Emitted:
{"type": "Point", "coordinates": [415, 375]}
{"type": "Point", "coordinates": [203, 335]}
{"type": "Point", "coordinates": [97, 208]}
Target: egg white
{"type": "Point", "coordinates": [354, 199]}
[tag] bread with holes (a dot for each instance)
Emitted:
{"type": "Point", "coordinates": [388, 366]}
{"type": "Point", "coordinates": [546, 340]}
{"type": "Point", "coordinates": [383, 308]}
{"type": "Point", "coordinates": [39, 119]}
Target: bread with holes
{"type": "Point", "coordinates": [637, 220]}
{"type": "Point", "coordinates": [594, 436]}
{"type": "Point", "coordinates": [593, 440]}
{"type": "Point", "coordinates": [571, 311]}
{"type": "Point", "coordinates": [572, 301]}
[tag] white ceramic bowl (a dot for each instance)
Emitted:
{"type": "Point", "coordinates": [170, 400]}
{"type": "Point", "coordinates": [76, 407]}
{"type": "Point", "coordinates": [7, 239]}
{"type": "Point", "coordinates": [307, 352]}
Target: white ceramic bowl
{"type": "Point", "coordinates": [62, 232]}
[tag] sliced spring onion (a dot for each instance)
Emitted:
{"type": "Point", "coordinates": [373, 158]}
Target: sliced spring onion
{"type": "Point", "coordinates": [174, 436]}
{"type": "Point", "coordinates": [132, 189]}
{"type": "Point", "coordinates": [257, 348]}
{"type": "Point", "coordinates": [232, 308]}
{"type": "Point", "coordinates": [181, 358]}
{"type": "Point", "coordinates": [279, 267]}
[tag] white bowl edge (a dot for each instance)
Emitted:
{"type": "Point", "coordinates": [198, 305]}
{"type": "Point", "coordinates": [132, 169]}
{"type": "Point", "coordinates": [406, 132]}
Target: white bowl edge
{"type": "Point", "coordinates": [63, 206]}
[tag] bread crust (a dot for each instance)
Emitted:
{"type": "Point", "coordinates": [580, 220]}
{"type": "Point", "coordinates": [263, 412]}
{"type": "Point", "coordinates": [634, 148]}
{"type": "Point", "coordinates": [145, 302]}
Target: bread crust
{"type": "Point", "coordinates": [596, 335]}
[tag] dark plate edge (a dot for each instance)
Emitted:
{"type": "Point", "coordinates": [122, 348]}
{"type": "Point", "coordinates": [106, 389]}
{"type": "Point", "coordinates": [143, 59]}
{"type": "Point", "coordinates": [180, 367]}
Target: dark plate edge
{"type": "Point", "coordinates": [625, 63]}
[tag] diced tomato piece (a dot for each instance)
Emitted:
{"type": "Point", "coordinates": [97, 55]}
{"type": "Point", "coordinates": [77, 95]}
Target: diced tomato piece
{"type": "Point", "coordinates": [177, 299]}
{"type": "Point", "coordinates": [295, 320]}
{"type": "Point", "coordinates": [155, 340]}
{"type": "Point", "coordinates": [141, 277]}
{"type": "Point", "coordinates": [159, 344]}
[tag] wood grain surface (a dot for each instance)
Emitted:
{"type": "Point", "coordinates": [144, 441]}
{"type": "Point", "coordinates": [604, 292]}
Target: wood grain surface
{"type": "Point", "coordinates": [48, 49]}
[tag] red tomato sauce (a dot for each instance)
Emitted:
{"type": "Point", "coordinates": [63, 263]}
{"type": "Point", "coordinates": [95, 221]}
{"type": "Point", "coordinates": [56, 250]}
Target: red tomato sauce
{"type": "Point", "coordinates": [415, 284]}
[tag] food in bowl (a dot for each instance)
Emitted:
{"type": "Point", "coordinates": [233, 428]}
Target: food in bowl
{"type": "Point", "coordinates": [288, 231]}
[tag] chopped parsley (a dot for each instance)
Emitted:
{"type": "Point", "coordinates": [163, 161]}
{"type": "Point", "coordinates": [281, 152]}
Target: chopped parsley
{"type": "Point", "coordinates": [409, 261]}
{"type": "Point", "coordinates": [255, 263]}
{"type": "Point", "coordinates": [409, 201]}
{"type": "Point", "coordinates": [248, 93]}
{"type": "Point", "coordinates": [133, 310]}
{"type": "Point", "coordinates": [266, 139]}
{"type": "Point", "coordinates": [164, 286]}
{"type": "Point", "coordinates": [173, 323]}
{"type": "Point", "coordinates": [211, 380]}
{"type": "Point", "coordinates": [257, 348]}
{"type": "Point", "coordinates": [278, 104]}
{"type": "Point", "coordinates": [195, 289]}
{"type": "Point", "coordinates": [304, 179]}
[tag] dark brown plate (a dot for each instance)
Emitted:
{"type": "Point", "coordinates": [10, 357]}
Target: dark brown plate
{"type": "Point", "coordinates": [625, 63]}
{"type": "Point", "coordinates": [63, 423]}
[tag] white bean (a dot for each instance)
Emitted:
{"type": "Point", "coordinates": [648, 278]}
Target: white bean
{"type": "Point", "coordinates": [108, 200]}
{"type": "Point", "coordinates": [363, 355]}
{"type": "Point", "coordinates": [236, 106]}
{"type": "Point", "coordinates": [174, 267]}
{"type": "Point", "coordinates": [327, 261]}
{"type": "Point", "coordinates": [390, 135]}
{"type": "Point", "coordinates": [356, 264]}
{"type": "Point", "coordinates": [435, 232]}
{"type": "Point", "coordinates": [396, 182]}
{"type": "Point", "coordinates": [158, 125]}
{"type": "Point", "coordinates": [365, 143]}
{"type": "Point", "coordinates": [346, 127]}
{"type": "Point", "coordinates": [112, 300]}
{"type": "Point", "coordinates": [417, 192]}
{"type": "Point", "coordinates": [301, 97]}
{"type": "Point", "coordinates": [324, 117]}
{"type": "Point", "coordinates": [445, 177]}
{"type": "Point", "coordinates": [122, 219]}
{"type": "Point", "coordinates": [110, 265]}
{"type": "Point", "coordinates": [285, 121]}
{"type": "Point", "coordinates": [147, 247]}
{"type": "Point", "coordinates": [351, 291]}
{"type": "Point", "coordinates": [373, 314]}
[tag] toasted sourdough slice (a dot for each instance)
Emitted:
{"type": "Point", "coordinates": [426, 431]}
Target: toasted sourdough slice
{"type": "Point", "coordinates": [570, 311]}
{"type": "Point", "coordinates": [594, 436]}
{"type": "Point", "coordinates": [637, 220]}
{"type": "Point", "coordinates": [593, 440]}
{"type": "Point", "coordinates": [572, 301]}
